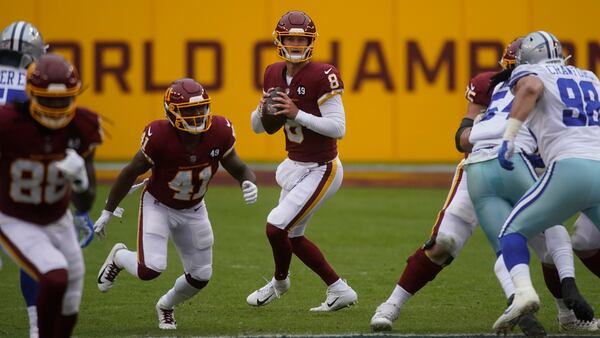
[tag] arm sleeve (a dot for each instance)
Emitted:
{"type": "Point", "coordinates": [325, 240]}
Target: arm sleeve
{"type": "Point", "coordinates": [332, 123]}
{"type": "Point", "coordinates": [255, 121]}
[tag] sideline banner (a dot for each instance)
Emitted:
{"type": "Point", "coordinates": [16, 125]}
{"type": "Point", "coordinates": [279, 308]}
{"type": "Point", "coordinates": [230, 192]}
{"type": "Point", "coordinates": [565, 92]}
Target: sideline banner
{"type": "Point", "coordinates": [405, 65]}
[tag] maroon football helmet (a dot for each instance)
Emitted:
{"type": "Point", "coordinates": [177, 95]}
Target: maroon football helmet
{"type": "Point", "coordinates": [187, 106]}
{"type": "Point", "coordinates": [509, 58]}
{"type": "Point", "coordinates": [295, 23]}
{"type": "Point", "coordinates": [52, 85]}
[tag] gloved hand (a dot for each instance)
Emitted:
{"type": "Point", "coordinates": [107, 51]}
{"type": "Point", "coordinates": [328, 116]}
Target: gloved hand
{"type": "Point", "coordinates": [535, 160]}
{"type": "Point", "coordinates": [505, 154]}
{"type": "Point", "coordinates": [84, 228]}
{"type": "Point", "coordinates": [250, 191]}
{"type": "Point", "coordinates": [101, 223]}
{"type": "Point", "coordinates": [73, 168]}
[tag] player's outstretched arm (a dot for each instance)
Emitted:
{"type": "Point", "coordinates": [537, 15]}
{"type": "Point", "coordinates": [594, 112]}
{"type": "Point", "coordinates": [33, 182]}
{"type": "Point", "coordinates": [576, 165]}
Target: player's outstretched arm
{"type": "Point", "coordinates": [138, 165]}
{"type": "Point", "coordinates": [242, 173]}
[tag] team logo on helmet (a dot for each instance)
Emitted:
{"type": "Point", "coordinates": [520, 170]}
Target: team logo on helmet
{"type": "Point", "coordinates": [187, 106]}
{"type": "Point", "coordinates": [295, 23]}
{"type": "Point", "coordinates": [538, 47]}
{"type": "Point", "coordinates": [52, 85]}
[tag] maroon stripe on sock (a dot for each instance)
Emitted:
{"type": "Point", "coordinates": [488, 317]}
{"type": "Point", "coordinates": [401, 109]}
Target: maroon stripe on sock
{"type": "Point", "coordinates": [419, 271]}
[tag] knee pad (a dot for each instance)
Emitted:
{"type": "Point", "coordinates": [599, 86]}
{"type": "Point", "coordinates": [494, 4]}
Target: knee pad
{"type": "Point", "coordinates": [201, 273]}
{"type": "Point", "coordinates": [196, 283]}
{"type": "Point", "coordinates": [445, 243]}
{"type": "Point", "coordinates": [72, 299]}
{"type": "Point", "coordinates": [145, 273]}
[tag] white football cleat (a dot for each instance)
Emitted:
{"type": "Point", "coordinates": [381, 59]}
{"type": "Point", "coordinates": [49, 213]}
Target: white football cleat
{"type": "Point", "coordinates": [526, 301]}
{"type": "Point", "coordinates": [268, 293]}
{"type": "Point", "coordinates": [384, 317]}
{"type": "Point", "coordinates": [568, 322]}
{"type": "Point", "coordinates": [338, 297]}
{"type": "Point", "coordinates": [166, 318]}
{"type": "Point", "coordinates": [109, 270]}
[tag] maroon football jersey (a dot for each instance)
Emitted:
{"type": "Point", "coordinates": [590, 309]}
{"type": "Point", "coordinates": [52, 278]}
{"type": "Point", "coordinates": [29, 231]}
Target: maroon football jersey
{"type": "Point", "coordinates": [314, 84]}
{"type": "Point", "coordinates": [479, 91]}
{"type": "Point", "coordinates": [179, 177]}
{"type": "Point", "coordinates": [31, 187]}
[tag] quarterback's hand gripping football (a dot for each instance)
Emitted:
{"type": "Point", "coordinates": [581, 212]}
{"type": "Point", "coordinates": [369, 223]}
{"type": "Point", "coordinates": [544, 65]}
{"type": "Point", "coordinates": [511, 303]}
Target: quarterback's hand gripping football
{"type": "Point", "coordinates": [250, 191]}
{"type": "Point", "coordinates": [101, 223]}
{"type": "Point", "coordinates": [73, 168]}
{"type": "Point", "coordinates": [505, 154]}
{"type": "Point", "coordinates": [84, 228]}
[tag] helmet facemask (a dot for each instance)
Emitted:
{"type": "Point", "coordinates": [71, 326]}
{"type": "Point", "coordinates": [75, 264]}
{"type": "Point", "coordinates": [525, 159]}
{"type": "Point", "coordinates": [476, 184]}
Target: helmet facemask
{"type": "Point", "coordinates": [53, 106]}
{"type": "Point", "coordinates": [509, 57]}
{"type": "Point", "coordinates": [294, 53]}
{"type": "Point", "coordinates": [193, 117]}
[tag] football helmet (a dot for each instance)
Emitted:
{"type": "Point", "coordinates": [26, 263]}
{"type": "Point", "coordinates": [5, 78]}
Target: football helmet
{"type": "Point", "coordinates": [539, 47]}
{"type": "Point", "coordinates": [52, 86]}
{"type": "Point", "coordinates": [295, 23]}
{"type": "Point", "coordinates": [509, 58]}
{"type": "Point", "coordinates": [187, 106]}
{"type": "Point", "coordinates": [23, 37]}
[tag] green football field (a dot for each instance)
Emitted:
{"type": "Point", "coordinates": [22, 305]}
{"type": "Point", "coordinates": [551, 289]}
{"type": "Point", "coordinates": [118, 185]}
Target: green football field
{"type": "Point", "coordinates": [365, 233]}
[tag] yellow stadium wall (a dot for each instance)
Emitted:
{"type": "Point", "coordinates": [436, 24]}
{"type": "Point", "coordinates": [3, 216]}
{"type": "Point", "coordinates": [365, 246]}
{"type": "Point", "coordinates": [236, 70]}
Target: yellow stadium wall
{"type": "Point", "coordinates": [405, 64]}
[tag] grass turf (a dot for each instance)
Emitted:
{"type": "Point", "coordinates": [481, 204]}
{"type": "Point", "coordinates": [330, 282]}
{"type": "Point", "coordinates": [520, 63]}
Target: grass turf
{"type": "Point", "coordinates": [365, 233]}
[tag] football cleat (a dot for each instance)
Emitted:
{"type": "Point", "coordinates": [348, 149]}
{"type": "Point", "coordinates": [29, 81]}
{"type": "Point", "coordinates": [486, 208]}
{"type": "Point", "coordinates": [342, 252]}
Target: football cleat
{"type": "Point", "coordinates": [569, 322]}
{"type": "Point", "coordinates": [531, 327]}
{"type": "Point", "coordinates": [109, 270]}
{"type": "Point", "coordinates": [526, 301]}
{"type": "Point", "coordinates": [268, 293]}
{"type": "Point", "coordinates": [384, 316]}
{"type": "Point", "coordinates": [337, 298]}
{"type": "Point", "coordinates": [575, 301]}
{"type": "Point", "coordinates": [166, 318]}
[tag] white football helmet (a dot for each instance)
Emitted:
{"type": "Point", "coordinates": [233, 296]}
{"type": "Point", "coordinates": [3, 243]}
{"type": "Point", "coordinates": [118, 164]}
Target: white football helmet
{"type": "Point", "coordinates": [540, 47]}
{"type": "Point", "coordinates": [25, 38]}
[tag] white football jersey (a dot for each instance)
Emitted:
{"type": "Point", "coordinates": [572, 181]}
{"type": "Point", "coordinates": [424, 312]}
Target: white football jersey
{"type": "Point", "coordinates": [486, 135]}
{"type": "Point", "coordinates": [12, 84]}
{"type": "Point", "coordinates": [565, 118]}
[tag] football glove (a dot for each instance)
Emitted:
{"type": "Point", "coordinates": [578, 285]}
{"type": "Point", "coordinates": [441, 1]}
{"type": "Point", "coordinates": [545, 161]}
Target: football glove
{"type": "Point", "coordinates": [84, 228]}
{"type": "Point", "coordinates": [73, 168]}
{"type": "Point", "coordinates": [535, 160]}
{"type": "Point", "coordinates": [101, 223]}
{"type": "Point", "coordinates": [505, 154]}
{"type": "Point", "coordinates": [250, 191]}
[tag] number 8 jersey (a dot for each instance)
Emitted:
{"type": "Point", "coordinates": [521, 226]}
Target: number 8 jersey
{"type": "Point", "coordinates": [312, 85]}
{"type": "Point", "coordinates": [565, 118]}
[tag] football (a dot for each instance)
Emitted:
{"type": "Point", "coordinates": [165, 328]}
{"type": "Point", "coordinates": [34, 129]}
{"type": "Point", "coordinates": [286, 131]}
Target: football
{"type": "Point", "coordinates": [271, 122]}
